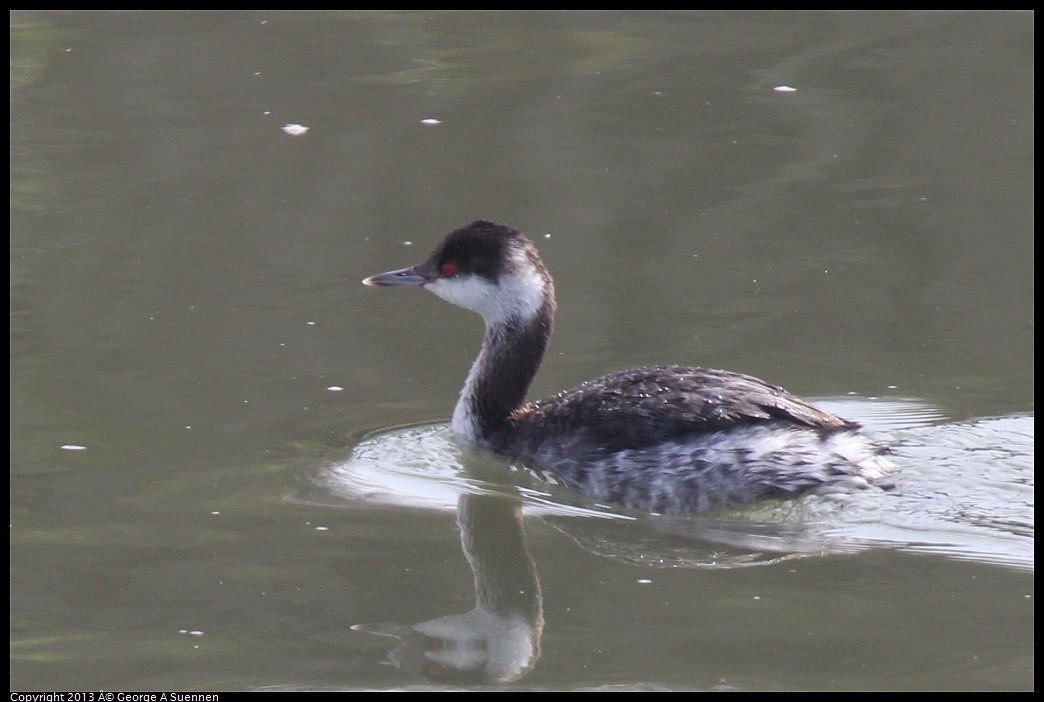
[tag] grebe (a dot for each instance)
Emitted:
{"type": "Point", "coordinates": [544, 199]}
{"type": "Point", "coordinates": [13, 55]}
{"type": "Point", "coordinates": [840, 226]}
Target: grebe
{"type": "Point", "coordinates": [664, 439]}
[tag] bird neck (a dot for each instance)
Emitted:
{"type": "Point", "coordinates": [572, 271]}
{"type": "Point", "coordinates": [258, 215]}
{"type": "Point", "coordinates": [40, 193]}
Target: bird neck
{"type": "Point", "coordinates": [500, 377]}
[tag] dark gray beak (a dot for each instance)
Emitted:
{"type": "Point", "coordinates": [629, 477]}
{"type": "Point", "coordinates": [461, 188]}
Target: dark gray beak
{"type": "Point", "coordinates": [403, 276]}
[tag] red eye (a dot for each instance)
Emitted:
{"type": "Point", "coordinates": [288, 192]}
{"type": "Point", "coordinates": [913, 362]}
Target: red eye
{"type": "Point", "coordinates": [448, 270]}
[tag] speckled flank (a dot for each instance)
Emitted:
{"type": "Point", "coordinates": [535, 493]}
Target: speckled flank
{"type": "Point", "coordinates": [717, 470]}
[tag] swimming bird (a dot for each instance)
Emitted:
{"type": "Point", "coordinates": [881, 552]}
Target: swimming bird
{"type": "Point", "coordinates": [666, 439]}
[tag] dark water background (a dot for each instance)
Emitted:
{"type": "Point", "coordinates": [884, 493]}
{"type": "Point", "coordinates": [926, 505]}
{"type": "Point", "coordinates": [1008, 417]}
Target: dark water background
{"type": "Point", "coordinates": [194, 364]}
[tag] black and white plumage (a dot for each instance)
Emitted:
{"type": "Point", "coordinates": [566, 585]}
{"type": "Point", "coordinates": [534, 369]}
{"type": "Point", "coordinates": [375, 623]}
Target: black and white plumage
{"type": "Point", "coordinates": [660, 439]}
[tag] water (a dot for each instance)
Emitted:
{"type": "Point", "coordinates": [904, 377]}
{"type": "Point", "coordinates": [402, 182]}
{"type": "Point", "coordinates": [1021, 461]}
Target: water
{"type": "Point", "coordinates": [229, 463]}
